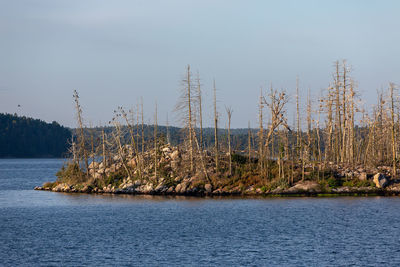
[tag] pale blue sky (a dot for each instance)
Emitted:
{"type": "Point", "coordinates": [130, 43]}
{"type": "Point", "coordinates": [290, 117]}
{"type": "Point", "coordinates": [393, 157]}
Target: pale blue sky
{"type": "Point", "coordinates": [113, 52]}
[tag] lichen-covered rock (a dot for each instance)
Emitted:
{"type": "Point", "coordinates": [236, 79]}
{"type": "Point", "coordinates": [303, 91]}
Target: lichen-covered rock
{"type": "Point", "coordinates": [61, 188]}
{"type": "Point", "coordinates": [175, 155]}
{"type": "Point", "coordinates": [380, 180]}
{"type": "Point", "coordinates": [307, 186]}
{"type": "Point", "coordinates": [362, 176]}
{"type": "Point", "coordinates": [277, 190]}
{"type": "Point", "coordinates": [208, 188]}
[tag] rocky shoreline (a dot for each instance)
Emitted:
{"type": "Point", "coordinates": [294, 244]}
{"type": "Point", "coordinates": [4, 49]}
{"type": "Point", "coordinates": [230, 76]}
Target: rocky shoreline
{"type": "Point", "coordinates": [307, 188]}
{"type": "Point", "coordinates": [174, 179]}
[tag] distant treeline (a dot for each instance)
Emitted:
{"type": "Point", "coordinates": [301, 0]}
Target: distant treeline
{"type": "Point", "coordinates": [175, 135]}
{"type": "Point", "coordinates": [22, 137]}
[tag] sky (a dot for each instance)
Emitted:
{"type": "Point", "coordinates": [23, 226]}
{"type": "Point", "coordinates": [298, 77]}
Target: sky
{"type": "Point", "coordinates": [115, 52]}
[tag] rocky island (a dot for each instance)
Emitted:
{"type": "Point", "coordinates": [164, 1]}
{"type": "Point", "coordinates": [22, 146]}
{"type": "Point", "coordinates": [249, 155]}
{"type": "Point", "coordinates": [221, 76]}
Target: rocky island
{"type": "Point", "coordinates": [345, 150]}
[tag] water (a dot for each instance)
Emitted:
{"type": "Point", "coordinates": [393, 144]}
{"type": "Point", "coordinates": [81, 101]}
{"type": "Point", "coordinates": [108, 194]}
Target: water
{"type": "Point", "coordinates": [56, 229]}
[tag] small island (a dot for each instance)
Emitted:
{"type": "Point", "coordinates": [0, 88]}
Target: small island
{"type": "Point", "coordinates": [344, 149]}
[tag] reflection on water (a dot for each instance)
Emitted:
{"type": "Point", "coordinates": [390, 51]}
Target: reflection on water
{"type": "Point", "coordinates": [47, 228]}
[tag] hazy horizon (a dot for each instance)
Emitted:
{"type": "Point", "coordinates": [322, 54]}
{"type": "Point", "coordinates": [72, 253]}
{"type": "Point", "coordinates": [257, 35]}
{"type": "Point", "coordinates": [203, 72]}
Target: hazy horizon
{"type": "Point", "coordinates": [114, 52]}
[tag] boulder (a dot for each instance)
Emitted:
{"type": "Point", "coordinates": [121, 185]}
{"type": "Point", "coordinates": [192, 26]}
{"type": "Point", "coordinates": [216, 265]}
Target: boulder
{"type": "Point", "coordinates": [305, 187]}
{"type": "Point", "coordinates": [166, 150]}
{"type": "Point", "coordinates": [380, 180]}
{"type": "Point", "coordinates": [62, 188]}
{"type": "Point", "coordinates": [145, 189]}
{"type": "Point", "coordinates": [86, 189]}
{"type": "Point", "coordinates": [178, 188]}
{"type": "Point", "coordinates": [278, 190]}
{"type": "Point", "coordinates": [132, 163]}
{"type": "Point", "coordinates": [94, 165]}
{"type": "Point", "coordinates": [236, 190]}
{"type": "Point", "coordinates": [182, 187]}
{"type": "Point", "coordinates": [170, 190]}
{"type": "Point", "coordinates": [208, 188]}
{"type": "Point", "coordinates": [175, 155]}
{"type": "Point", "coordinates": [259, 191]}
{"type": "Point", "coordinates": [161, 188]}
{"type": "Point", "coordinates": [362, 176]}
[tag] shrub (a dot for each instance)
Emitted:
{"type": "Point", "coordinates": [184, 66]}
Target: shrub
{"type": "Point", "coordinates": [50, 185]}
{"type": "Point", "coordinates": [240, 159]}
{"type": "Point", "coordinates": [70, 174]}
{"type": "Point", "coordinates": [334, 182]}
{"type": "Point", "coordinates": [358, 183]}
{"type": "Point", "coordinates": [115, 178]}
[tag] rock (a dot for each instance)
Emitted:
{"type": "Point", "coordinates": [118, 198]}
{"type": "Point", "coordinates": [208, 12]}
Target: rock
{"type": "Point", "coordinates": [182, 187]}
{"type": "Point", "coordinates": [380, 180]}
{"type": "Point", "coordinates": [145, 189]}
{"type": "Point", "coordinates": [161, 188]}
{"type": "Point", "coordinates": [178, 188]}
{"type": "Point", "coordinates": [166, 150]}
{"type": "Point", "coordinates": [175, 155]}
{"type": "Point", "coordinates": [343, 189]}
{"type": "Point", "coordinates": [305, 187]}
{"type": "Point", "coordinates": [174, 164]}
{"type": "Point", "coordinates": [277, 190]}
{"type": "Point", "coordinates": [362, 176]}
{"type": "Point", "coordinates": [86, 189]}
{"type": "Point", "coordinates": [217, 191]}
{"type": "Point", "coordinates": [235, 190]}
{"type": "Point", "coordinates": [170, 190]}
{"type": "Point", "coordinates": [132, 163]}
{"type": "Point", "coordinates": [249, 190]}
{"type": "Point", "coordinates": [61, 188]}
{"type": "Point", "coordinates": [208, 188]}
{"type": "Point", "coordinates": [93, 165]}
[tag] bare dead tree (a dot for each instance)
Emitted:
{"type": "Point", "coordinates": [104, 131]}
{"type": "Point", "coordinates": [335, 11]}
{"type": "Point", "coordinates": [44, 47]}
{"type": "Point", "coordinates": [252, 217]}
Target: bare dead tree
{"type": "Point", "coordinates": [82, 143]}
{"type": "Point", "coordinates": [199, 102]}
{"type": "Point", "coordinates": [393, 130]}
{"type": "Point", "coordinates": [155, 144]}
{"type": "Point", "coordinates": [185, 107]}
{"type": "Point", "coordinates": [216, 148]}
{"type": "Point", "coordinates": [229, 112]}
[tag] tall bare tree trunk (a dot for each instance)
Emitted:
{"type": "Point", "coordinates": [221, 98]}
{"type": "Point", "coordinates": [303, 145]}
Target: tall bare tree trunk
{"type": "Point", "coordinates": [261, 135]}
{"type": "Point", "coordinates": [82, 135]}
{"type": "Point", "coordinates": [216, 130]}
{"type": "Point", "coordinates": [155, 144]}
{"type": "Point", "coordinates": [104, 149]}
{"type": "Point", "coordinates": [393, 131]}
{"type": "Point", "coordinates": [199, 99]}
{"type": "Point", "coordinates": [229, 112]}
{"type": "Point", "coordinates": [142, 120]}
{"type": "Point", "coordinates": [249, 142]}
{"type": "Point", "coordinates": [168, 135]}
{"type": "Point", "coordinates": [190, 120]}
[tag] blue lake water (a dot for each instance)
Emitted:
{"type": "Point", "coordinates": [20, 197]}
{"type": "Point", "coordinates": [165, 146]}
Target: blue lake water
{"type": "Point", "coordinates": [56, 229]}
